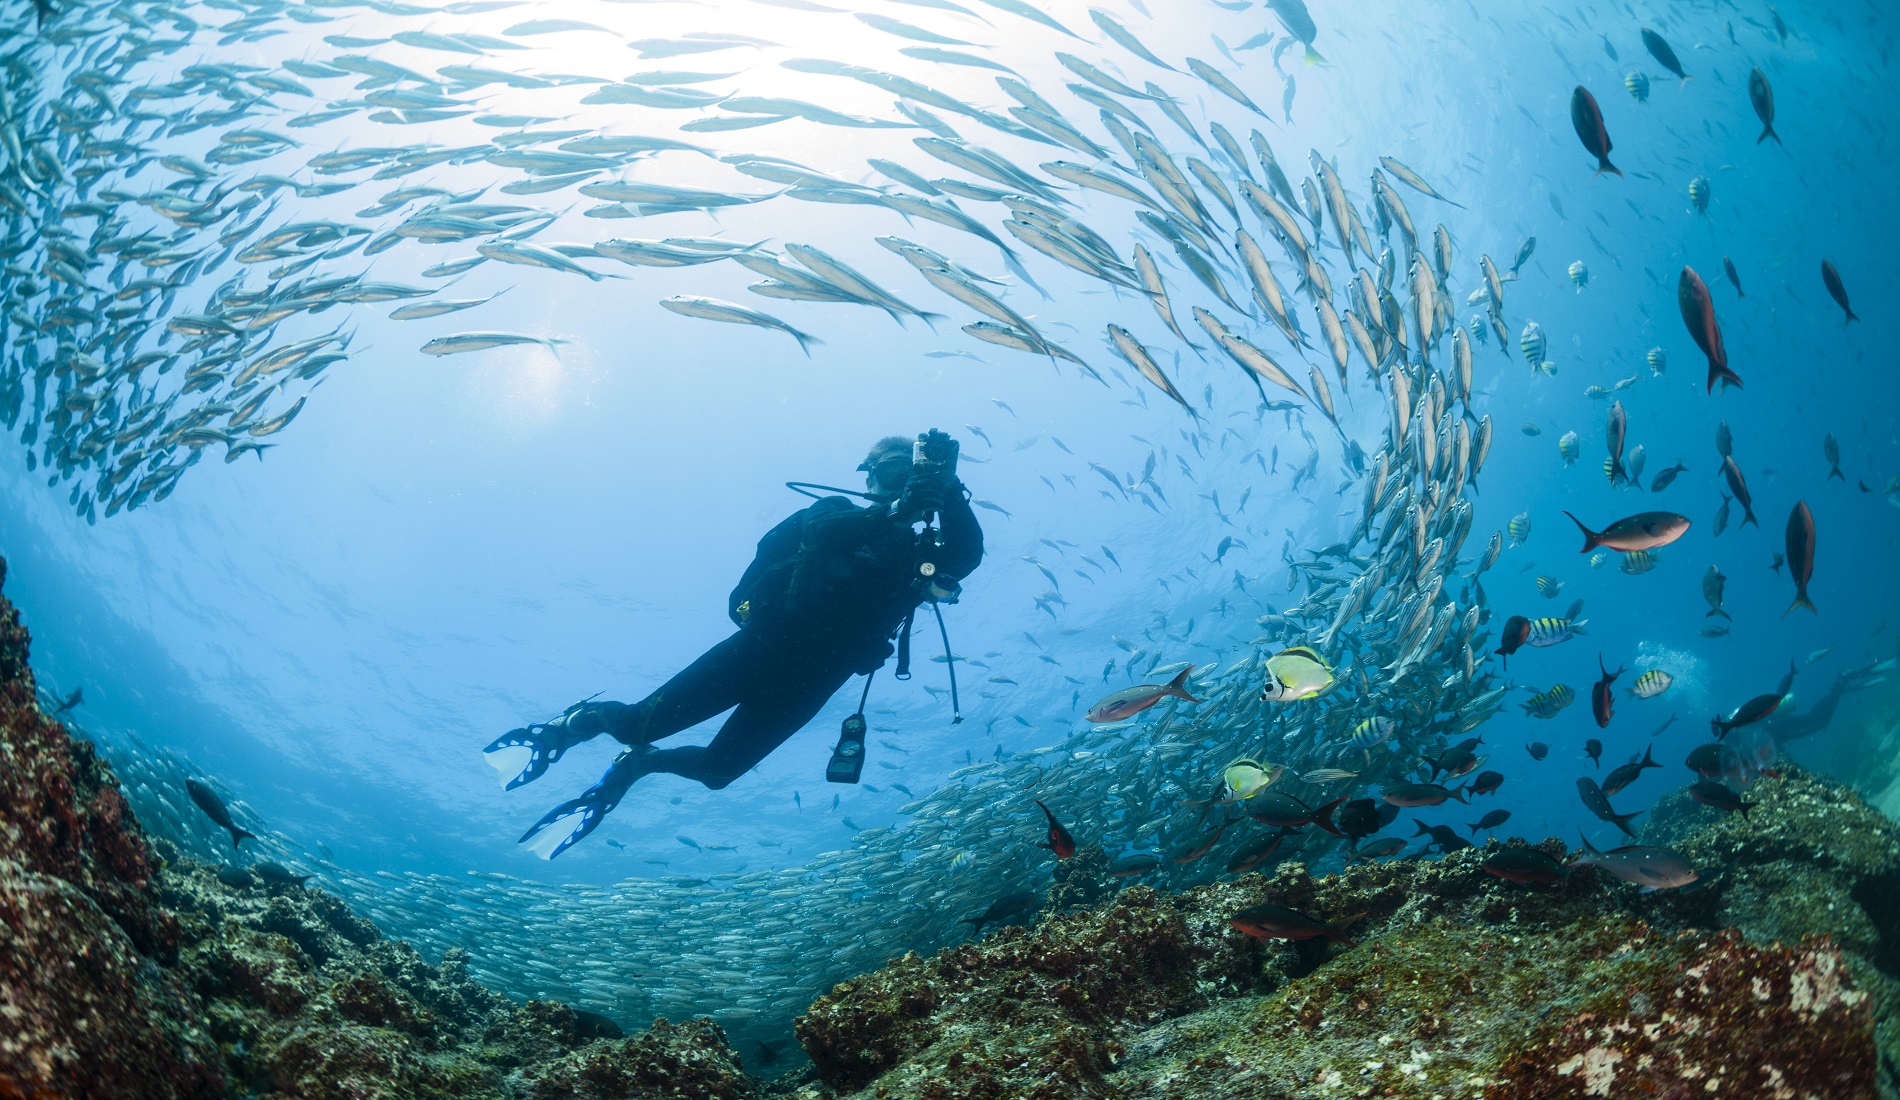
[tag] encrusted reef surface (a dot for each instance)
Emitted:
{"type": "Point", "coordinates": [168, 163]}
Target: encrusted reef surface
{"type": "Point", "coordinates": [129, 971]}
{"type": "Point", "coordinates": [1770, 979]}
{"type": "Point", "coordinates": [127, 974]}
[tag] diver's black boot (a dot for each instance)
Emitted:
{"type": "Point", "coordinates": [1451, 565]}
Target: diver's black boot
{"type": "Point", "coordinates": [526, 753]}
{"type": "Point", "coordinates": [575, 818]}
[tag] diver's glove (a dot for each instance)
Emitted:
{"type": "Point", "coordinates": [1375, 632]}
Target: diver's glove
{"type": "Point", "coordinates": [527, 752]}
{"type": "Point", "coordinates": [574, 819]}
{"type": "Point", "coordinates": [923, 494]}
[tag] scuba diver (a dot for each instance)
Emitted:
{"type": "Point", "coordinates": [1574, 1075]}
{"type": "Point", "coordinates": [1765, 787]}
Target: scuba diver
{"type": "Point", "coordinates": [830, 588]}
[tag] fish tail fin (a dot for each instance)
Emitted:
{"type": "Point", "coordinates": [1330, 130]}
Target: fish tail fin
{"type": "Point", "coordinates": [1623, 821]}
{"type": "Point", "coordinates": [1748, 517]}
{"type": "Point", "coordinates": [1836, 472]}
{"type": "Point", "coordinates": [1591, 540]}
{"type": "Point", "coordinates": [1851, 318]}
{"type": "Point", "coordinates": [1459, 794]}
{"type": "Point", "coordinates": [1801, 600]}
{"type": "Point", "coordinates": [1323, 817]}
{"type": "Point", "coordinates": [1718, 728]}
{"type": "Point", "coordinates": [1313, 57]}
{"type": "Point", "coordinates": [1719, 611]}
{"type": "Point", "coordinates": [1178, 685]}
{"type": "Point", "coordinates": [805, 341]}
{"type": "Point", "coordinates": [1721, 373]}
{"type": "Point", "coordinates": [238, 834]}
{"type": "Point", "coordinates": [1336, 931]}
{"type": "Point", "coordinates": [1649, 757]}
{"type": "Point", "coordinates": [1604, 165]}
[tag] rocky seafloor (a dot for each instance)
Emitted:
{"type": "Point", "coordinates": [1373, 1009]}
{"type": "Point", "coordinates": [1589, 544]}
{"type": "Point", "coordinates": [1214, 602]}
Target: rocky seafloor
{"type": "Point", "coordinates": [127, 970]}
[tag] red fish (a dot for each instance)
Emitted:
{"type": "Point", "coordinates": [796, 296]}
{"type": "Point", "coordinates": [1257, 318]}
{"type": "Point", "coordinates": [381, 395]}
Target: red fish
{"type": "Point", "coordinates": [1643, 531]}
{"type": "Point", "coordinates": [1129, 702]}
{"type": "Point", "coordinates": [1588, 119]}
{"type": "Point", "coordinates": [1698, 313]}
{"type": "Point", "coordinates": [1060, 842]}
{"type": "Point", "coordinates": [1800, 538]}
{"type": "Point", "coordinates": [1276, 922]}
{"type": "Point", "coordinates": [1600, 696]}
{"type": "Point", "coordinates": [1739, 487]}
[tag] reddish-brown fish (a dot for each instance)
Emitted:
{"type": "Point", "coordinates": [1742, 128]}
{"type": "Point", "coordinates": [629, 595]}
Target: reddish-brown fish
{"type": "Point", "coordinates": [1601, 699]}
{"type": "Point", "coordinates": [1588, 119]}
{"type": "Point", "coordinates": [1800, 538]}
{"type": "Point", "coordinates": [1698, 313]}
{"type": "Point", "coordinates": [1060, 842]}
{"type": "Point", "coordinates": [1277, 922]}
{"type": "Point", "coordinates": [1643, 531]}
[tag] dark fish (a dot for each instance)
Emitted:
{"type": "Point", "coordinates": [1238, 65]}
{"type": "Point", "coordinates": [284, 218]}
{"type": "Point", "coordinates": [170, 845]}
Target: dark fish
{"type": "Point", "coordinates": [1444, 836]}
{"type": "Point", "coordinates": [1698, 313]}
{"type": "Point", "coordinates": [1003, 908]}
{"type": "Point", "coordinates": [1414, 795]}
{"type": "Point", "coordinates": [276, 874]}
{"type": "Point", "coordinates": [1060, 842]}
{"type": "Point", "coordinates": [1276, 922]}
{"type": "Point", "coordinates": [1724, 439]}
{"type": "Point", "coordinates": [79, 696]}
{"type": "Point", "coordinates": [1615, 432]}
{"type": "Point", "coordinates": [592, 1025]}
{"type": "Point", "coordinates": [1288, 812]}
{"type": "Point", "coordinates": [1800, 542]}
{"type": "Point", "coordinates": [1837, 290]}
{"type": "Point", "coordinates": [1643, 531]}
{"type": "Point", "coordinates": [1255, 852]}
{"type": "Point", "coordinates": [1830, 447]}
{"type": "Point", "coordinates": [1664, 56]}
{"type": "Point", "coordinates": [1588, 120]}
{"type": "Point", "coordinates": [1522, 865]}
{"type": "Point", "coordinates": [1599, 804]}
{"type": "Point", "coordinates": [1593, 749]}
{"type": "Point", "coordinates": [1736, 485]}
{"type": "Point", "coordinates": [1490, 821]}
{"type": "Point", "coordinates": [1487, 782]}
{"type": "Point", "coordinates": [1537, 749]}
{"type": "Point", "coordinates": [1719, 795]}
{"type": "Point", "coordinates": [766, 1055]}
{"type": "Point", "coordinates": [1734, 277]}
{"type": "Point", "coordinates": [213, 806]}
{"type": "Point", "coordinates": [1600, 697]}
{"type": "Point", "coordinates": [1132, 864]}
{"type": "Point", "coordinates": [1763, 97]}
{"type": "Point", "coordinates": [1623, 775]}
{"type": "Point", "coordinates": [234, 877]}
{"type": "Point", "coordinates": [1191, 850]}
{"type": "Point", "coordinates": [1776, 562]}
{"type": "Point", "coordinates": [1517, 631]}
{"type": "Point", "coordinates": [1712, 759]}
{"type": "Point", "coordinates": [1362, 817]}
{"type": "Point", "coordinates": [1749, 713]}
{"type": "Point", "coordinates": [1665, 478]}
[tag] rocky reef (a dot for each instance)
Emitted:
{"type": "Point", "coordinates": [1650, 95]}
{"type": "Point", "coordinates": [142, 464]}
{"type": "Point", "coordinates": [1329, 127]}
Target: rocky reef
{"type": "Point", "coordinates": [130, 970]}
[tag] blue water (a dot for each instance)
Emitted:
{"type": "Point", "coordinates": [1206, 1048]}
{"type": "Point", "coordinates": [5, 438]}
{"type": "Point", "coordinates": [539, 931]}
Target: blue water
{"type": "Point", "coordinates": [440, 549]}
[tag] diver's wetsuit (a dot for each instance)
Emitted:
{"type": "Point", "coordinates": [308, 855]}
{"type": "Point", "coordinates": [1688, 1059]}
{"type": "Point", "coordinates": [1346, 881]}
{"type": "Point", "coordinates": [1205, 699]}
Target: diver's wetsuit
{"type": "Point", "coordinates": [819, 603]}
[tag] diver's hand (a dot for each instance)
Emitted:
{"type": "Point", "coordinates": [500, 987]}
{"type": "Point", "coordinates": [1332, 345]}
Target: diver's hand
{"type": "Point", "coordinates": [924, 494]}
{"type": "Point", "coordinates": [569, 823]}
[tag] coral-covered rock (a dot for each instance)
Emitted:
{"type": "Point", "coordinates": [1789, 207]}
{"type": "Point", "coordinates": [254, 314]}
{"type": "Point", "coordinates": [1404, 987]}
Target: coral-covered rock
{"type": "Point", "coordinates": [83, 1011]}
{"type": "Point", "coordinates": [124, 974]}
{"type": "Point", "coordinates": [689, 1061]}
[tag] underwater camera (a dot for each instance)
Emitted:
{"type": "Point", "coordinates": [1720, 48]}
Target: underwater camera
{"type": "Point", "coordinates": [847, 758]}
{"type": "Point", "coordinates": [933, 464]}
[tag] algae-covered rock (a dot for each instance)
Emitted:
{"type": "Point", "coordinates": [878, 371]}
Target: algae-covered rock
{"type": "Point", "coordinates": [1762, 981]}
{"type": "Point", "coordinates": [135, 973]}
